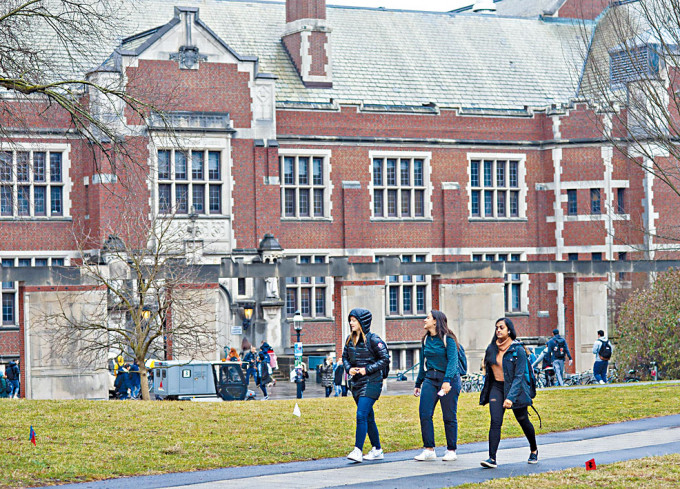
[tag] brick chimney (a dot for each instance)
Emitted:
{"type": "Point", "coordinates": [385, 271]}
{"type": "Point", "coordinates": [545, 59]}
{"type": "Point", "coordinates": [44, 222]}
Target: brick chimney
{"type": "Point", "coordinates": [307, 41]}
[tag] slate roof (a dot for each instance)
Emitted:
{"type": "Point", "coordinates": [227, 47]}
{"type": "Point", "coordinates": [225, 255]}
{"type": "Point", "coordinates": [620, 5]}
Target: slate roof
{"type": "Point", "coordinates": [524, 8]}
{"type": "Point", "coordinates": [399, 58]}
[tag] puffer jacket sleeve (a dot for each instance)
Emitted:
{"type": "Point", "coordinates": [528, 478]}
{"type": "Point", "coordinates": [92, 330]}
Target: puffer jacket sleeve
{"type": "Point", "coordinates": [451, 360]}
{"type": "Point", "coordinates": [517, 388]}
{"type": "Point", "coordinates": [421, 370]}
{"type": "Point", "coordinates": [380, 355]}
{"type": "Point", "coordinates": [345, 358]}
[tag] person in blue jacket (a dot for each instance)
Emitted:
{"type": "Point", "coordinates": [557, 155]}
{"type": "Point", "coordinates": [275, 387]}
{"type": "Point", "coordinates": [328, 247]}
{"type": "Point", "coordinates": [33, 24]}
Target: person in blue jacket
{"type": "Point", "coordinates": [365, 356]}
{"type": "Point", "coordinates": [506, 387]}
{"type": "Point", "coordinates": [438, 379]}
{"type": "Point", "coordinates": [135, 380]}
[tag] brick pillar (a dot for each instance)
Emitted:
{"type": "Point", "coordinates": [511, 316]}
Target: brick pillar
{"type": "Point", "coordinates": [569, 323]}
{"type": "Point", "coordinates": [436, 282]}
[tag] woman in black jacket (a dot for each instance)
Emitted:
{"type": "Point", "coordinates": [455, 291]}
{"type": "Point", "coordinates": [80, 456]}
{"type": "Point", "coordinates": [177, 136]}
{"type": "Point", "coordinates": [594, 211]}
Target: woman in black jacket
{"type": "Point", "coordinates": [506, 387]}
{"type": "Point", "coordinates": [364, 357]}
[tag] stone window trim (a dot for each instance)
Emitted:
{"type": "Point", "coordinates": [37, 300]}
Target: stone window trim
{"type": "Point", "coordinates": [224, 183]}
{"type": "Point", "coordinates": [326, 186]}
{"type": "Point", "coordinates": [26, 187]}
{"type": "Point", "coordinates": [317, 288]}
{"type": "Point", "coordinates": [411, 188]}
{"type": "Point", "coordinates": [9, 291]}
{"type": "Point", "coordinates": [495, 190]}
{"type": "Point", "coordinates": [400, 290]}
{"type": "Point", "coordinates": [516, 286]}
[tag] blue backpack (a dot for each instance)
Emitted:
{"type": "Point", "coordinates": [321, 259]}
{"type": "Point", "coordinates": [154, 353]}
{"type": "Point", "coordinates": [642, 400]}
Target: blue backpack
{"type": "Point", "coordinates": [529, 375]}
{"type": "Point", "coordinates": [462, 360]}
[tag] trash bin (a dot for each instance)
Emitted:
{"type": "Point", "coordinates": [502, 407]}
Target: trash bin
{"type": "Point", "coordinates": [318, 374]}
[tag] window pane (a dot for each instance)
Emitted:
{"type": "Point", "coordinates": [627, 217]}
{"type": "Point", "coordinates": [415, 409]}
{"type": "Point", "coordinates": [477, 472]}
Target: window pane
{"type": "Point", "coordinates": [198, 198]}
{"type": "Point", "coordinates": [289, 170]}
{"type": "Point", "coordinates": [39, 159]}
{"type": "Point", "coordinates": [394, 300]}
{"type": "Point", "coordinates": [55, 167]}
{"type": "Point", "coordinates": [391, 172]}
{"type": "Point", "coordinates": [57, 262]}
{"type": "Point", "coordinates": [24, 262]}
{"type": "Point", "coordinates": [595, 201]}
{"type": "Point", "coordinates": [7, 308]}
{"type": "Point", "coordinates": [305, 280]}
{"type": "Point", "coordinates": [214, 165]}
{"type": "Point", "coordinates": [23, 198]}
{"type": "Point", "coordinates": [474, 173]}
{"type": "Point", "coordinates": [56, 201]}
{"type": "Point", "coordinates": [420, 259]}
{"type": "Point", "coordinates": [500, 173]}
{"type": "Point", "coordinates": [378, 203]}
{"type": "Point", "coordinates": [406, 203]}
{"type": "Point", "coordinates": [377, 172]}
{"type": "Point", "coordinates": [41, 262]}
{"type": "Point", "coordinates": [6, 203]}
{"type": "Point", "coordinates": [572, 202]}
{"type": "Point", "coordinates": [197, 163]}
{"type": "Point", "coordinates": [488, 173]}
{"type": "Point", "coordinates": [320, 302]}
{"type": "Point", "coordinates": [407, 291]}
{"type": "Point", "coordinates": [516, 297]}
{"type": "Point", "coordinates": [291, 301]}
{"type": "Point", "coordinates": [621, 200]}
{"type": "Point", "coordinates": [474, 202]}
{"type": "Point", "coordinates": [164, 199]}
{"type": "Point", "coordinates": [306, 302]}
{"type": "Point", "coordinates": [5, 166]}
{"type": "Point", "coordinates": [418, 175]}
{"type": "Point", "coordinates": [163, 165]}
{"type": "Point", "coordinates": [318, 171]}
{"type": "Point", "coordinates": [514, 174]}
{"type": "Point", "coordinates": [405, 173]}
{"type": "Point", "coordinates": [241, 286]}
{"type": "Point", "coordinates": [303, 171]}
{"type": "Point", "coordinates": [289, 202]}
{"type": "Point", "coordinates": [39, 201]}
{"type": "Point", "coordinates": [420, 299]}
{"type": "Point", "coordinates": [182, 198]}
{"type": "Point", "coordinates": [180, 165]}
{"type": "Point", "coordinates": [514, 203]}
{"type": "Point", "coordinates": [22, 166]}
{"type": "Point", "coordinates": [8, 263]}
{"type": "Point", "coordinates": [500, 203]}
{"type": "Point", "coordinates": [318, 202]}
{"type": "Point", "coordinates": [476, 257]}
{"type": "Point", "coordinates": [406, 259]}
{"type": "Point", "coordinates": [215, 199]}
{"type": "Point", "coordinates": [304, 202]}
{"type": "Point", "coordinates": [391, 203]}
{"type": "Point", "coordinates": [419, 203]}
{"type": "Point", "coordinates": [488, 203]}
{"type": "Point", "coordinates": [320, 259]}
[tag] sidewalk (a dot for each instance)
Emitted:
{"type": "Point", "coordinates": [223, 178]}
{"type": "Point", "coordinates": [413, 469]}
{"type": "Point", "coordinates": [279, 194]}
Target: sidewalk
{"type": "Point", "coordinates": [557, 451]}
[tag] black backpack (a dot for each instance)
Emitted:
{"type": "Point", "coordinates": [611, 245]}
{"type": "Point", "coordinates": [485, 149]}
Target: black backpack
{"type": "Point", "coordinates": [605, 351]}
{"type": "Point", "coordinates": [559, 350]}
{"type": "Point", "coordinates": [462, 360]}
{"type": "Point", "coordinates": [386, 368]}
{"type": "Point", "coordinates": [12, 373]}
{"type": "Point", "coordinates": [529, 375]}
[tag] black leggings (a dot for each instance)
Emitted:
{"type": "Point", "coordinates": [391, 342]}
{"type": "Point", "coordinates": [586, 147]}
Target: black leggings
{"type": "Point", "coordinates": [497, 411]}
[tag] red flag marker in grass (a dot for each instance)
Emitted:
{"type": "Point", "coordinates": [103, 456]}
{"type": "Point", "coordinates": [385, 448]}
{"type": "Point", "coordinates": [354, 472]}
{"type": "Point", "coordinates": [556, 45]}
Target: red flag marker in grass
{"type": "Point", "coordinates": [590, 464]}
{"type": "Point", "coordinates": [31, 436]}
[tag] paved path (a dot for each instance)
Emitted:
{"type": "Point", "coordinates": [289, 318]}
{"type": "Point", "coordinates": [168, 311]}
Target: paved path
{"type": "Point", "coordinates": [607, 444]}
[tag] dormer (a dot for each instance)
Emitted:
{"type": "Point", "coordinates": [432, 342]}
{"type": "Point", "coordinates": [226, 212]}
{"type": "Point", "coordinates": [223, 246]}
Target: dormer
{"type": "Point", "coordinates": [307, 41]}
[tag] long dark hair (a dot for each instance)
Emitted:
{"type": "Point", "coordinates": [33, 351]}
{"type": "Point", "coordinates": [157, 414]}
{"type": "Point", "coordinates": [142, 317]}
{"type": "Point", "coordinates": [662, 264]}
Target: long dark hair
{"type": "Point", "coordinates": [441, 328]}
{"type": "Point", "coordinates": [492, 349]}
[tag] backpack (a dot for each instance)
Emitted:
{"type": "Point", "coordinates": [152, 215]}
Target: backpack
{"type": "Point", "coordinates": [605, 350]}
{"type": "Point", "coordinates": [12, 373]}
{"type": "Point", "coordinates": [559, 349]}
{"type": "Point", "coordinates": [462, 360]}
{"type": "Point", "coordinates": [386, 368]}
{"type": "Point", "coordinates": [529, 375]}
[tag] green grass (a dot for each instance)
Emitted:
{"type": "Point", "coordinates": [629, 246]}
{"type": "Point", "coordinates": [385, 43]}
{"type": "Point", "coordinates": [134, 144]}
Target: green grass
{"type": "Point", "coordinates": [648, 473]}
{"type": "Point", "coordinates": [88, 440]}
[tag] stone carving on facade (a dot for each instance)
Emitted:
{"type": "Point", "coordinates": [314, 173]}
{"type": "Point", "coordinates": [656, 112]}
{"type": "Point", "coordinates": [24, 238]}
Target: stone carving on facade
{"type": "Point", "coordinates": [264, 97]}
{"type": "Point", "coordinates": [188, 57]}
{"type": "Point", "coordinates": [272, 288]}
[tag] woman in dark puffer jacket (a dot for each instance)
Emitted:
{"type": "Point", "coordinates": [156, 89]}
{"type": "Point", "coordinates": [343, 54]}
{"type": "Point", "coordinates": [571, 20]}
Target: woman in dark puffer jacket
{"type": "Point", "coordinates": [364, 357]}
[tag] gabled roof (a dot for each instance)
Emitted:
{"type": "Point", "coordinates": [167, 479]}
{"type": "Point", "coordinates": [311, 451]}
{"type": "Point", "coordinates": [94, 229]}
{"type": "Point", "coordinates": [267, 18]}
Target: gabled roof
{"type": "Point", "coordinates": [398, 58]}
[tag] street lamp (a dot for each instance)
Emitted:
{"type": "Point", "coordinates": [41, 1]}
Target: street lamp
{"type": "Point", "coordinates": [247, 315]}
{"type": "Point", "coordinates": [297, 324]}
{"type": "Point", "coordinates": [146, 313]}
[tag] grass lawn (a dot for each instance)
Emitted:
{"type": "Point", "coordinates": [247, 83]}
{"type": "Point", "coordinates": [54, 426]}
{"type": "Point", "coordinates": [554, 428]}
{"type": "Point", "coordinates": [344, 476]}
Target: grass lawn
{"type": "Point", "coordinates": [647, 473]}
{"type": "Point", "coordinates": [88, 440]}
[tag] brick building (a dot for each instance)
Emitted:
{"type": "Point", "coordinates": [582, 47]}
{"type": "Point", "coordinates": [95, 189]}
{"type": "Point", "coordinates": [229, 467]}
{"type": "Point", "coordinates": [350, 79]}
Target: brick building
{"type": "Point", "coordinates": [348, 132]}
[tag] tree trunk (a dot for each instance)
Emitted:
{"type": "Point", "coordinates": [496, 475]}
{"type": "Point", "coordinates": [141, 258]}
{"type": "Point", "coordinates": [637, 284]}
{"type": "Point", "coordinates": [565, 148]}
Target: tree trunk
{"type": "Point", "coordinates": [144, 382]}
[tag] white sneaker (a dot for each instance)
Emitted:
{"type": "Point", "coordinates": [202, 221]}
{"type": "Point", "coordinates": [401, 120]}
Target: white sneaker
{"type": "Point", "coordinates": [602, 382]}
{"type": "Point", "coordinates": [450, 456]}
{"type": "Point", "coordinates": [426, 455]}
{"type": "Point", "coordinates": [355, 455]}
{"type": "Point", "coordinates": [375, 454]}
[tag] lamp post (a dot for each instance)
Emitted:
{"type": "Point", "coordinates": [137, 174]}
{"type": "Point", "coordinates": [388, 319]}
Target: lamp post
{"type": "Point", "coordinates": [297, 325]}
{"type": "Point", "coordinates": [247, 315]}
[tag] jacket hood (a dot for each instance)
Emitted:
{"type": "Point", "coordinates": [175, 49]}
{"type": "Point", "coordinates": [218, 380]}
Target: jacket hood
{"type": "Point", "coordinates": [265, 347]}
{"type": "Point", "coordinates": [364, 317]}
{"type": "Point", "coordinates": [603, 338]}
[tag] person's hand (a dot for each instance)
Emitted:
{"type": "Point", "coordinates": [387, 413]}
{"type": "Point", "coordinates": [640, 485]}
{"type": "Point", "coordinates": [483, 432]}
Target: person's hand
{"type": "Point", "coordinates": [416, 392]}
{"type": "Point", "coordinates": [507, 404]}
{"type": "Point", "coordinates": [446, 387]}
{"type": "Point", "coordinates": [571, 362]}
{"type": "Point", "coordinates": [353, 371]}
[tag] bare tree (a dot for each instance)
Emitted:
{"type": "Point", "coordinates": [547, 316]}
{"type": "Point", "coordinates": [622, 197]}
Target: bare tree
{"type": "Point", "coordinates": [143, 298]}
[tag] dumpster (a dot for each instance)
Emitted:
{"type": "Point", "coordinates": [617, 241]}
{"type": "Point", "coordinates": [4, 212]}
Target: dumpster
{"type": "Point", "coordinates": [177, 380]}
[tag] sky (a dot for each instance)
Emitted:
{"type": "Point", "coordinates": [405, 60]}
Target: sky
{"type": "Point", "coordinates": [434, 5]}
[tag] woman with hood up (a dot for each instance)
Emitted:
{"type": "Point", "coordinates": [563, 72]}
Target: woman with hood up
{"type": "Point", "coordinates": [364, 357]}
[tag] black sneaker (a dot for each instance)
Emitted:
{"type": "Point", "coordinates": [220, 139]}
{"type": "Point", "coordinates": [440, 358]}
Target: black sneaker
{"type": "Point", "coordinates": [489, 463]}
{"type": "Point", "coordinates": [533, 458]}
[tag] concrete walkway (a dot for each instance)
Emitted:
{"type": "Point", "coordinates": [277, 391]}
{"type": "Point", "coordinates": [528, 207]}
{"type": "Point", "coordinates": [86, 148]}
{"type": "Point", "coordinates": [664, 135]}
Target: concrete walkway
{"type": "Point", "coordinates": [606, 444]}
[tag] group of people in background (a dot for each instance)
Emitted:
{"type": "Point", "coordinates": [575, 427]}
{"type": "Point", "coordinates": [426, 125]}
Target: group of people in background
{"type": "Point", "coordinates": [128, 382]}
{"type": "Point", "coordinates": [507, 385]}
{"type": "Point", "coordinates": [10, 381]}
{"type": "Point", "coordinates": [260, 365]}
